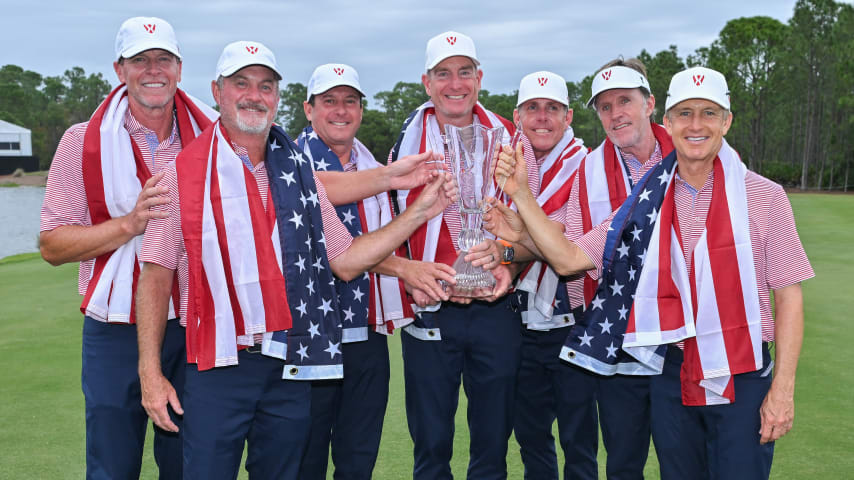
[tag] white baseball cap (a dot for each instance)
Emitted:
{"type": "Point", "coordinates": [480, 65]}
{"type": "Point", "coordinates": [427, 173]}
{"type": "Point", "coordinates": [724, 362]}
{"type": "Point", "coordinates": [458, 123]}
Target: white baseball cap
{"type": "Point", "coordinates": [449, 44]}
{"type": "Point", "coordinates": [139, 34]}
{"type": "Point", "coordinates": [543, 84]}
{"type": "Point", "coordinates": [698, 82]}
{"type": "Point", "coordinates": [237, 55]}
{"type": "Point", "coordinates": [333, 75]}
{"type": "Point", "coordinates": [617, 77]}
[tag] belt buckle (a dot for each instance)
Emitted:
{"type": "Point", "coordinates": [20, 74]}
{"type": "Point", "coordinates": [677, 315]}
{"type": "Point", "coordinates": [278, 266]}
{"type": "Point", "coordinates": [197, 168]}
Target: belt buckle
{"type": "Point", "coordinates": [256, 348]}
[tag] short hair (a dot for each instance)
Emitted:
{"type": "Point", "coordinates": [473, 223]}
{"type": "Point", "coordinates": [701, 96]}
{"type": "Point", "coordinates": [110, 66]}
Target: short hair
{"type": "Point", "coordinates": [632, 63]}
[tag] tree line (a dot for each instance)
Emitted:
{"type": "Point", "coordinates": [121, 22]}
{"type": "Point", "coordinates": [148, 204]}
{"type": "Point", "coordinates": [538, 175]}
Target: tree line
{"type": "Point", "coordinates": [791, 85]}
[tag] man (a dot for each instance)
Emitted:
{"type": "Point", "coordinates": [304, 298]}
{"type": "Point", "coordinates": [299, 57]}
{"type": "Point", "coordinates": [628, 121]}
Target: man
{"type": "Point", "coordinates": [101, 185]}
{"type": "Point", "coordinates": [256, 242]}
{"type": "Point", "coordinates": [623, 102]}
{"type": "Point", "coordinates": [695, 251]}
{"type": "Point", "coordinates": [548, 389]}
{"type": "Point", "coordinates": [478, 342]}
{"type": "Point", "coordinates": [348, 413]}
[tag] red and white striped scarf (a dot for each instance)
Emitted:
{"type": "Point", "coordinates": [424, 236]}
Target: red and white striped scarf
{"type": "Point", "coordinates": [715, 307]}
{"type": "Point", "coordinates": [603, 185]}
{"type": "Point", "coordinates": [432, 241]}
{"type": "Point", "coordinates": [113, 174]}
{"type": "Point", "coordinates": [236, 285]}
{"type": "Point", "coordinates": [540, 280]}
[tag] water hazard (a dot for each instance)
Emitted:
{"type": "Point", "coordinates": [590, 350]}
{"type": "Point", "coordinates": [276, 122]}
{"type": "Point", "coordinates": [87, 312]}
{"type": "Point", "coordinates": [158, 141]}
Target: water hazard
{"type": "Point", "coordinates": [20, 209]}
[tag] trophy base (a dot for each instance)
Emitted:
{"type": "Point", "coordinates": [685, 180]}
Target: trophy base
{"type": "Point", "coordinates": [472, 281]}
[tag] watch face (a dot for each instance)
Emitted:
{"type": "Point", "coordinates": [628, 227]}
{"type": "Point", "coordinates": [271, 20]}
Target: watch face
{"type": "Point", "coordinates": [508, 254]}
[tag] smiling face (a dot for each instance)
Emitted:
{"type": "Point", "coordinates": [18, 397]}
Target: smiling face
{"type": "Point", "coordinates": [248, 99]}
{"type": "Point", "coordinates": [697, 127]}
{"type": "Point", "coordinates": [453, 86]}
{"type": "Point", "coordinates": [624, 113]}
{"type": "Point", "coordinates": [543, 121]}
{"type": "Point", "coordinates": [335, 115]}
{"type": "Point", "coordinates": [151, 77]}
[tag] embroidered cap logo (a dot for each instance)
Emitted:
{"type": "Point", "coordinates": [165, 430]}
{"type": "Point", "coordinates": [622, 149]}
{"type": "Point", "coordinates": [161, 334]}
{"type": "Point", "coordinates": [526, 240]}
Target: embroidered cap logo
{"type": "Point", "coordinates": [606, 75]}
{"type": "Point", "coordinates": [451, 40]}
{"type": "Point", "coordinates": [543, 81]}
{"type": "Point", "coordinates": [339, 71]}
{"type": "Point", "coordinates": [251, 49]}
{"type": "Point", "coordinates": [149, 27]}
{"type": "Point", "coordinates": [698, 79]}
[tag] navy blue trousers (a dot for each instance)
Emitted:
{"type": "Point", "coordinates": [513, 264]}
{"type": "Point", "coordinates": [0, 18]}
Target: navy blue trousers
{"type": "Point", "coordinates": [115, 420]}
{"type": "Point", "coordinates": [226, 407]}
{"type": "Point", "coordinates": [624, 415]}
{"type": "Point", "coordinates": [548, 388]}
{"type": "Point", "coordinates": [710, 442]}
{"type": "Point", "coordinates": [349, 414]}
{"type": "Point", "coordinates": [479, 347]}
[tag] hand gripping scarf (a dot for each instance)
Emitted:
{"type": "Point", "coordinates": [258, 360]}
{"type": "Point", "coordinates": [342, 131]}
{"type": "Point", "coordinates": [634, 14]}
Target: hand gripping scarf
{"type": "Point", "coordinates": [113, 175]}
{"type": "Point", "coordinates": [371, 300]}
{"type": "Point", "coordinates": [432, 242]}
{"type": "Point", "coordinates": [714, 309]}
{"type": "Point", "coordinates": [254, 271]}
{"type": "Point", "coordinates": [543, 297]}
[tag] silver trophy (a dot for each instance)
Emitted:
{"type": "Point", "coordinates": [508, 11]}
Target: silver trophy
{"type": "Point", "coordinates": [471, 151]}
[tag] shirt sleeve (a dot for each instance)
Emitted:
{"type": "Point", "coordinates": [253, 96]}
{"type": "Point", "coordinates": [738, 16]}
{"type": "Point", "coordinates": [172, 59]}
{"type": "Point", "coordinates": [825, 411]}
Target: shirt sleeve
{"type": "Point", "coordinates": [786, 261]}
{"type": "Point", "coordinates": [337, 237]}
{"type": "Point", "coordinates": [65, 200]}
{"type": "Point", "coordinates": [592, 244]}
{"type": "Point", "coordinates": [163, 241]}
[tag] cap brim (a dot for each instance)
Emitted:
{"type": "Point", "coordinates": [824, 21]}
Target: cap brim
{"type": "Point", "coordinates": [440, 60]}
{"type": "Point", "coordinates": [229, 71]}
{"type": "Point", "coordinates": [130, 52]}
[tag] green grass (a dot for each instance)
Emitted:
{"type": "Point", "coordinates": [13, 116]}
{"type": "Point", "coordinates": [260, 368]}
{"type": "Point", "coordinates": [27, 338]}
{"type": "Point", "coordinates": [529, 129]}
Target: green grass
{"type": "Point", "coordinates": [41, 414]}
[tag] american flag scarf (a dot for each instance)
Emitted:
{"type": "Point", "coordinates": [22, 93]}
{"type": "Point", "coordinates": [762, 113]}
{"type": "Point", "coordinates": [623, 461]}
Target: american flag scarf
{"type": "Point", "coordinates": [113, 175]}
{"type": "Point", "coordinates": [648, 294]}
{"type": "Point", "coordinates": [256, 271]}
{"type": "Point", "coordinates": [372, 300]}
{"type": "Point", "coordinates": [603, 185]}
{"type": "Point", "coordinates": [432, 241]}
{"type": "Point", "coordinates": [541, 293]}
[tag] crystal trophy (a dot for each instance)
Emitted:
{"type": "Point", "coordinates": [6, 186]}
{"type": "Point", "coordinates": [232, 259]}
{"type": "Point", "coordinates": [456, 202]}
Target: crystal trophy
{"type": "Point", "coordinates": [471, 151]}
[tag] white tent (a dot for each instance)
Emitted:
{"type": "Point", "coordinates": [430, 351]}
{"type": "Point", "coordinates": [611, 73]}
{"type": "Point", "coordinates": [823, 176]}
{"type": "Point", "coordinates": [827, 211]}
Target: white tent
{"type": "Point", "coordinates": [15, 141]}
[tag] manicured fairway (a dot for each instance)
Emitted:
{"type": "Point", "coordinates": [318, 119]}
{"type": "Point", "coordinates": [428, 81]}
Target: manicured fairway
{"type": "Point", "coordinates": [41, 405]}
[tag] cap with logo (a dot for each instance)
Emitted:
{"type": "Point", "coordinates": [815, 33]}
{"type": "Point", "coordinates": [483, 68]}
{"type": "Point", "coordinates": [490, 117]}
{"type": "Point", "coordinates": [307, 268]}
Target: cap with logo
{"type": "Point", "coordinates": [237, 55]}
{"type": "Point", "coordinates": [543, 84]}
{"type": "Point", "coordinates": [698, 82]}
{"type": "Point", "coordinates": [139, 34]}
{"type": "Point", "coordinates": [449, 44]}
{"type": "Point", "coordinates": [617, 77]}
{"type": "Point", "coordinates": [333, 75]}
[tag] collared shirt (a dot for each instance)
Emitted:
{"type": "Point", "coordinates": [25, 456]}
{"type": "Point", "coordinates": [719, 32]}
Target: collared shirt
{"type": "Point", "coordinates": [163, 242]}
{"type": "Point", "coordinates": [778, 256]}
{"type": "Point", "coordinates": [65, 200]}
{"type": "Point", "coordinates": [572, 216]}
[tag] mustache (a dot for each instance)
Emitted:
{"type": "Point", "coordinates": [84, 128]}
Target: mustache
{"type": "Point", "coordinates": [254, 106]}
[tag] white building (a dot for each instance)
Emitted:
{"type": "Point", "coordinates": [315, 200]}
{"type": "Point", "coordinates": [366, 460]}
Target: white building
{"type": "Point", "coordinates": [15, 141]}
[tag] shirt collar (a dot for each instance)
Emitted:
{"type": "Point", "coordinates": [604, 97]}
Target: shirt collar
{"type": "Point", "coordinates": [133, 126]}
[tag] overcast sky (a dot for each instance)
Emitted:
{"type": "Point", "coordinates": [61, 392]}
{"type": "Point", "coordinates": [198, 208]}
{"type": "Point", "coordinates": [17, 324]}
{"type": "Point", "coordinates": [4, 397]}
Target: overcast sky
{"type": "Point", "coordinates": [383, 40]}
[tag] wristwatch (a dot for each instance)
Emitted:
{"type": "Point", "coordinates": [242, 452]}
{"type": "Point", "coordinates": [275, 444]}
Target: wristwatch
{"type": "Point", "coordinates": [508, 254]}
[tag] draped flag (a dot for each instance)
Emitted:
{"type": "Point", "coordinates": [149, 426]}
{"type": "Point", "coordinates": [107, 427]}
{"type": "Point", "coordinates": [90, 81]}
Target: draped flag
{"type": "Point", "coordinates": [432, 241]}
{"type": "Point", "coordinates": [113, 174]}
{"type": "Point", "coordinates": [541, 294]}
{"type": "Point", "coordinates": [647, 298]}
{"type": "Point", "coordinates": [370, 300]}
{"type": "Point", "coordinates": [256, 271]}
